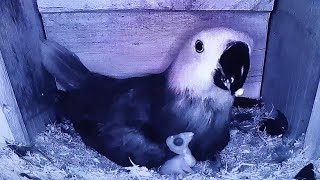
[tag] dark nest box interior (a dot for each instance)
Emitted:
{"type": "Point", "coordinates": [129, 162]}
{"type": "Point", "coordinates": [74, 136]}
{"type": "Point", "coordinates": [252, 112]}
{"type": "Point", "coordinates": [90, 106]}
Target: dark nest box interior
{"type": "Point", "coordinates": [274, 127]}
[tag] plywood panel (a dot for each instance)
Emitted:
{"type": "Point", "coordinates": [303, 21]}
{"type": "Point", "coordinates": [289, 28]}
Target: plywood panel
{"type": "Point", "coordinates": [292, 69]}
{"type": "Point", "coordinates": [5, 133]}
{"type": "Point", "coordinates": [10, 115]}
{"type": "Point", "coordinates": [85, 5]}
{"type": "Point", "coordinates": [33, 88]}
{"type": "Point", "coordinates": [126, 43]}
{"type": "Point", "coordinates": [312, 140]}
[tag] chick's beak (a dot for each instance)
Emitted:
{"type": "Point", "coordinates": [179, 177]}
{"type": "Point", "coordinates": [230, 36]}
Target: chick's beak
{"type": "Point", "coordinates": [190, 134]}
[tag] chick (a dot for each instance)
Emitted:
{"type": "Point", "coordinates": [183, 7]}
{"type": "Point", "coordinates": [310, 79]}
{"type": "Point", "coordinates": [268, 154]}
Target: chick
{"type": "Point", "coordinates": [182, 163]}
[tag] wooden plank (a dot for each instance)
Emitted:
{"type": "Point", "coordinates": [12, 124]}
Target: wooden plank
{"type": "Point", "coordinates": [125, 44]}
{"type": "Point", "coordinates": [85, 5]}
{"type": "Point", "coordinates": [33, 88]}
{"type": "Point", "coordinates": [10, 115]}
{"type": "Point", "coordinates": [312, 140]}
{"type": "Point", "coordinates": [5, 133]}
{"type": "Point", "coordinates": [292, 68]}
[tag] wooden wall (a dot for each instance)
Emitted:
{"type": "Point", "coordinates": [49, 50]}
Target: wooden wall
{"type": "Point", "coordinates": [85, 5]}
{"type": "Point", "coordinates": [126, 38]}
{"type": "Point", "coordinates": [33, 88]}
{"type": "Point", "coordinates": [312, 139]}
{"type": "Point", "coordinates": [292, 68]}
{"type": "Point", "coordinates": [10, 121]}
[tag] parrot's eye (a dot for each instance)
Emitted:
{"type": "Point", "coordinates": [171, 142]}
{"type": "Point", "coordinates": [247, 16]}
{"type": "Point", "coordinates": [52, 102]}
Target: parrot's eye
{"type": "Point", "coordinates": [199, 46]}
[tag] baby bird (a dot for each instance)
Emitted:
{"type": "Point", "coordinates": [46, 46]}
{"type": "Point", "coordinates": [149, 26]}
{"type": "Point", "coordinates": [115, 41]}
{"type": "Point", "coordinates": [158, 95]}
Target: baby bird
{"type": "Point", "coordinates": [182, 163]}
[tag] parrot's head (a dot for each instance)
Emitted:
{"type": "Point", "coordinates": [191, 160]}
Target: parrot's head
{"type": "Point", "coordinates": [211, 64]}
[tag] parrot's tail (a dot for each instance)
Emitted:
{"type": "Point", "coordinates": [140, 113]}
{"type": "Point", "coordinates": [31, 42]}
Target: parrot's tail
{"type": "Point", "coordinates": [63, 65]}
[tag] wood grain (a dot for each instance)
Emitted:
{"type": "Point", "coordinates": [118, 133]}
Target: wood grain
{"type": "Point", "coordinates": [292, 69]}
{"type": "Point", "coordinates": [124, 44]}
{"type": "Point", "coordinates": [33, 88]}
{"type": "Point", "coordinates": [11, 121]}
{"type": "Point", "coordinates": [89, 5]}
{"type": "Point", "coordinates": [312, 140]}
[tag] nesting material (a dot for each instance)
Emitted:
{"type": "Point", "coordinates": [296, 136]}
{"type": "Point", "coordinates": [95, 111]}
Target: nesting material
{"type": "Point", "coordinates": [250, 154]}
